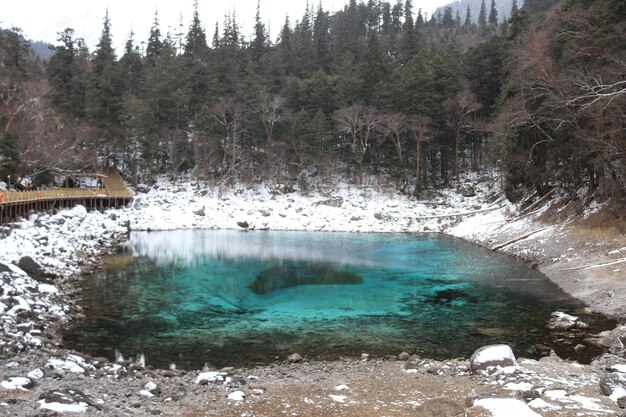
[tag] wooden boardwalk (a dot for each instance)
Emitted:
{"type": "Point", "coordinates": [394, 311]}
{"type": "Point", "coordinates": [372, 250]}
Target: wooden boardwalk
{"type": "Point", "coordinates": [19, 204]}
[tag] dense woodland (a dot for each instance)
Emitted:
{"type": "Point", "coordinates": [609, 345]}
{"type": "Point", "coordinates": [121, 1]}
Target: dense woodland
{"type": "Point", "coordinates": [375, 89]}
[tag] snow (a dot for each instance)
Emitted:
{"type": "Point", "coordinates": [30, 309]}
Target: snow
{"type": "Point", "coordinates": [506, 407]}
{"type": "Point", "coordinates": [494, 353]}
{"type": "Point", "coordinates": [618, 393]}
{"type": "Point", "coordinates": [539, 403]}
{"type": "Point", "coordinates": [63, 408]}
{"type": "Point", "coordinates": [522, 386]}
{"type": "Point", "coordinates": [210, 377]}
{"type": "Point", "coordinates": [619, 368]}
{"type": "Point", "coordinates": [236, 396]}
{"type": "Point", "coordinates": [342, 387]}
{"type": "Point", "coordinates": [16, 383]}
{"type": "Point", "coordinates": [36, 374]}
{"type": "Point", "coordinates": [64, 365]}
{"type": "Point", "coordinates": [338, 398]}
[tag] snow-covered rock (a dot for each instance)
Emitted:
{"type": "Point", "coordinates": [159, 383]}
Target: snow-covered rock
{"type": "Point", "coordinates": [17, 383]}
{"type": "Point", "coordinates": [492, 355]}
{"type": "Point", "coordinates": [506, 407]}
{"type": "Point", "coordinates": [236, 396]}
{"type": "Point", "coordinates": [212, 376]}
{"type": "Point", "coordinates": [564, 321]}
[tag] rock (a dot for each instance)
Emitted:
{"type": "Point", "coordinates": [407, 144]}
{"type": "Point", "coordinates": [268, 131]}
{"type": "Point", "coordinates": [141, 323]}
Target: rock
{"type": "Point", "coordinates": [4, 268]}
{"type": "Point", "coordinates": [356, 218]}
{"type": "Point", "coordinates": [200, 212]}
{"type": "Point", "coordinates": [113, 216]}
{"type": "Point", "coordinates": [32, 268]}
{"type": "Point", "coordinates": [613, 385]}
{"type": "Point", "coordinates": [364, 356]}
{"type": "Point", "coordinates": [150, 389]}
{"type": "Point", "coordinates": [294, 358]}
{"type": "Point", "coordinates": [264, 213]}
{"type": "Point", "coordinates": [563, 321]}
{"type": "Point", "coordinates": [492, 355]}
{"type": "Point", "coordinates": [331, 202]}
{"type": "Point", "coordinates": [243, 225]}
{"type": "Point", "coordinates": [381, 216]}
{"type": "Point", "coordinates": [441, 407]}
{"type": "Point", "coordinates": [404, 356]}
{"type": "Point", "coordinates": [466, 190]}
{"type": "Point", "coordinates": [579, 348]}
{"type": "Point", "coordinates": [206, 377]}
{"type": "Point", "coordinates": [68, 400]}
{"type": "Point", "coordinates": [615, 340]}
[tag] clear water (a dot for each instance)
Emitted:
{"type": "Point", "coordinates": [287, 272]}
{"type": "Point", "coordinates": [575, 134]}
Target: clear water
{"type": "Point", "coordinates": [234, 298]}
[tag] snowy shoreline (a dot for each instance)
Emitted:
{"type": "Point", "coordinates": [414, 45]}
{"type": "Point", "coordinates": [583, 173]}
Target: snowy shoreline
{"type": "Point", "coordinates": [73, 242]}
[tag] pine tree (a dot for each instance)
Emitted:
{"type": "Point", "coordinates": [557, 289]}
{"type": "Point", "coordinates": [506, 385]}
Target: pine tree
{"type": "Point", "coordinates": [493, 14]}
{"type": "Point", "coordinates": [131, 68]}
{"type": "Point", "coordinates": [482, 16]}
{"type": "Point", "coordinates": [321, 39]}
{"type": "Point", "coordinates": [286, 47]}
{"type": "Point", "coordinates": [259, 43]}
{"type": "Point", "coordinates": [514, 7]}
{"type": "Point", "coordinates": [196, 57]}
{"type": "Point", "coordinates": [468, 18]}
{"type": "Point", "coordinates": [153, 49]}
{"type": "Point", "coordinates": [447, 21]}
{"type": "Point", "coordinates": [104, 97]}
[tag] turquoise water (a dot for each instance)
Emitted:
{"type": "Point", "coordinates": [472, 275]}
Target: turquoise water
{"type": "Point", "coordinates": [240, 298]}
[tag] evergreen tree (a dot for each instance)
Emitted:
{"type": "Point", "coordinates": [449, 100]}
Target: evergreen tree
{"type": "Point", "coordinates": [321, 39]}
{"type": "Point", "coordinates": [196, 57]}
{"type": "Point", "coordinates": [493, 14]}
{"type": "Point", "coordinates": [286, 47]}
{"type": "Point", "coordinates": [514, 7]}
{"type": "Point", "coordinates": [104, 97]}
{"type": "Point", "coordinates": [259, 43]}
{"type": "Point", "coordinates": [131, 68]}
{"type": "Point", "coordinates": [482, 15]}
{"type": "Point", "coordinates": [468, 18]}
{"type": "Point", "coordinates": [153, 49]}
{"type": "Point", "coordinates": [447, 21]}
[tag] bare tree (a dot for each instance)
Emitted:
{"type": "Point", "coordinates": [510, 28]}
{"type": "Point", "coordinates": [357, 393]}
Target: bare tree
{"type": "Point", "coordinates": [418, 125]}
{"type": "Point", "coordinates": [360, 124]}
{"type": "Point", "coordinates": [228, 113]}
{"type": "Point", "coordinates": [460, 108]}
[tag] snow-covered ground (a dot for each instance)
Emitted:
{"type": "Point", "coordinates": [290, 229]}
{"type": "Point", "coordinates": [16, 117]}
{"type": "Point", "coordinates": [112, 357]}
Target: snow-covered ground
{"type": "Point", "coordinates": [72, 241]}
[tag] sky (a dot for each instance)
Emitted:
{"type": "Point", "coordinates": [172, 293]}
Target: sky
{"type": "Point", "coordinates": [44, 19]}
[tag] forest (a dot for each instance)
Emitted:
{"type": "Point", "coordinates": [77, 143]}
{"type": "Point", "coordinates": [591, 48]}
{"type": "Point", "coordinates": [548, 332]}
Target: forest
{"type": "Point", "coordinates": [376, 89]}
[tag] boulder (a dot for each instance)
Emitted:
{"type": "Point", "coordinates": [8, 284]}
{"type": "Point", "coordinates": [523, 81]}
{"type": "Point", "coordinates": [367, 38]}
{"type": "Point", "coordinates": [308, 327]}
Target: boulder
{"type": "Point", "coordinates": [264, 213]}
{"type": "Point", "coordinates": [294, 358]}
{"type": "Point", "coordinates": [331, 202]}
{"type": "Point", "coordinates": [34, 270]}
{"type": "Point", "coordinates": [466, 190]}
{"type": "Point", "coordinates": [563, 321]}
{"type": "Point", "coordinates": [613, 385]}
{"type": "Point", "coordinates": [492, 355]}
{"type": "Point", "coordinates": [243, 225]}
{"type": "Point", "coordinates": [200, 212]}
{"type": "Point", "coordinates": [441, 407]}
{"type": "Point", "coordinates": [67, 400]}
{"type": "Point", "coordinates": [615, 340]}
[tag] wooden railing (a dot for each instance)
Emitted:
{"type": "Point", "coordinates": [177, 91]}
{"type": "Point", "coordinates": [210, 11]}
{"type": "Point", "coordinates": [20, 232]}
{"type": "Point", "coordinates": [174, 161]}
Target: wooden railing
{"type": "Point", "coordinates": [113, 187]}
{"type": "Point", "coordinates": [60, 193]}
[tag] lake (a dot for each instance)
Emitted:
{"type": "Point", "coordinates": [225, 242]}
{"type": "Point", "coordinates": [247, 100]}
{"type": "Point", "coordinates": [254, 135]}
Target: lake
{"type": "Point", "coordinates": [237, 298]}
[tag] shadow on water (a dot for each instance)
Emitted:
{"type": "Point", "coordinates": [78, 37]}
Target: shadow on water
{"type": "Point", "coordinates": [231, 299]}
{"type": "Point", "coordinates": [286, 276]}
